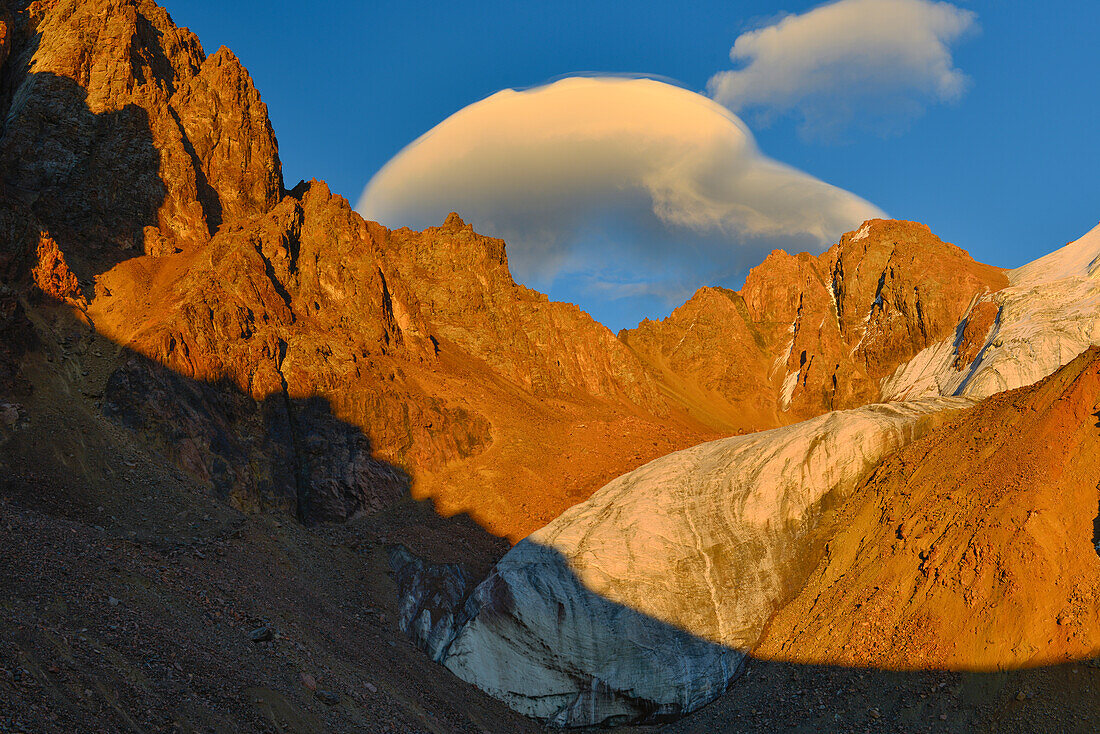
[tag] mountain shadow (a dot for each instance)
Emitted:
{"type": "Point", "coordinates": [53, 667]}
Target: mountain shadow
{"type": "Point", "coordinates": [96, 184]}
{"type": "Point", "coordinates": [283, 453]}
{"type": "Point", "coordinates": [153, 523]}
{"type": "Point", "coordinates": [490, 634]}
{"type": "Point", "coordinates": [151, 528]}
{"type": "Point", "coordinates": [965, 550]}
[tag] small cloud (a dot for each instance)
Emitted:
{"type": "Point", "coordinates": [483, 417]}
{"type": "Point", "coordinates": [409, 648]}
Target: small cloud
{"type": "Point", "coordinates": [652, 182]}
{"type": "Point", "coordinates": [665, 293]}
{"type": "Point", "coordinates": [874, 64]}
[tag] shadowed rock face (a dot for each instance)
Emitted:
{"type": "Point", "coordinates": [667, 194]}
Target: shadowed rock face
{"type": "Point", "coordinates": [277, 454]}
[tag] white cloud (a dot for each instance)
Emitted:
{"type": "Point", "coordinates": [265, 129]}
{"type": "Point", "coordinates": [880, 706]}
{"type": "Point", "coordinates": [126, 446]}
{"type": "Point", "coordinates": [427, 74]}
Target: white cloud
{"type": "Point", "coordinates": [591, 175]}
{"type": "Point", "coordinates": [868, 62]}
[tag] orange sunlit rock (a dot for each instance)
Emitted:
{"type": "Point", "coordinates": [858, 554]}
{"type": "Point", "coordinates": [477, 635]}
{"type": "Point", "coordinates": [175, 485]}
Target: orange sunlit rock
{"type": "Point", "coordinates": [51, 274]}
{"type": "Point", "coordinates": [972, 549]}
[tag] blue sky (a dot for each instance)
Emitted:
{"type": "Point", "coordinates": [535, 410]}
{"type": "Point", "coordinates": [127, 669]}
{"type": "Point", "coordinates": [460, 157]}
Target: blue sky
{"type": "Point", "coordinates": [1007, 171]}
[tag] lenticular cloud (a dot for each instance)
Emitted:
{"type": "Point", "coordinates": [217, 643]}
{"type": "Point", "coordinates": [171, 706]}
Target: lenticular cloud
{"type": "Point", "coordinates": [611, 175]}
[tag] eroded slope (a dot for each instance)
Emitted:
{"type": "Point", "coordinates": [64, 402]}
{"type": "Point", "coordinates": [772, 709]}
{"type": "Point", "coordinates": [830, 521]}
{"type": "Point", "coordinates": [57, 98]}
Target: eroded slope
{"type": "Point", "coordinates": [973, 548]}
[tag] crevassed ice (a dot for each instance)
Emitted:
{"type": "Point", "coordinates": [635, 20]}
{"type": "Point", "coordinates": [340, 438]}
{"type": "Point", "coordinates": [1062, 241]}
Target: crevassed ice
{"type": "Point", "coordinates": [1049, 313]}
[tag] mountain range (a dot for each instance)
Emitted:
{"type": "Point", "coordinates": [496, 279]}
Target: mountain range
{"type": "Point", "coordinates": [264, 461]}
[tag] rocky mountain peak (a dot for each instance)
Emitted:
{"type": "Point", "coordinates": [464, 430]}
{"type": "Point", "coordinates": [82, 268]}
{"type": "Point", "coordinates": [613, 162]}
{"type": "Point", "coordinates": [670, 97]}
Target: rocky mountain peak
{"type": "Point", "coordinates": [250, 311]}
{"type": "Point", "coordinates": [143, 144]}
{"type": "Point", "coordinates": [158, 178]}
{"type": "Point", "coordinates": [812, 334]}
{"type": "Point", "coordinates": [241, 170]}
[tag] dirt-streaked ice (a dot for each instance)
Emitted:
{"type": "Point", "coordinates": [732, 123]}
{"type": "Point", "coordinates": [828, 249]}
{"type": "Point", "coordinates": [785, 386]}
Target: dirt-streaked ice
{"type": "Point", "coordinates": [643, 600]}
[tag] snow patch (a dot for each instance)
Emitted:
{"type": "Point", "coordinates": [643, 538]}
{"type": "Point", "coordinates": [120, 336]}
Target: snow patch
{"type": "Point", "coordinates": [689, 330]}
{"type": "Point", "coordinates": [1078, 259]}
{"type": "Point", "coordinates": [790, 382]}
{"type": "Point", "coordinates": [836, 303]}
{"type": "Point", "coordinates": [786, 355]}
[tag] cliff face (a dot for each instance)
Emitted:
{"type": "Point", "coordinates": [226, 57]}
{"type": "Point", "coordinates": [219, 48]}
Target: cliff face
{"type": "Point", "coordinates": [547, 348]}
{"type": "Point", "coordinates": [143, 189]}
{"type": "Point", "coordinates": [91, 88]}
{"type": "Point", "coordinates": [810, 334]}
{"type": "Point", "coordinates": [1049, 313]}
